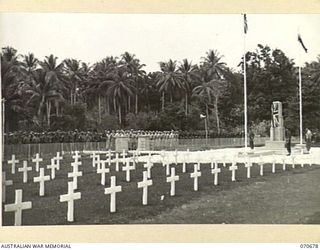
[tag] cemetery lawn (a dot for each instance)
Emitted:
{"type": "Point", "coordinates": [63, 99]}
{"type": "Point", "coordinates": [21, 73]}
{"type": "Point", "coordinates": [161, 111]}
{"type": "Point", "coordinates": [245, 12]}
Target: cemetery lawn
{"type": "Point", "coordinates": [290, 196]}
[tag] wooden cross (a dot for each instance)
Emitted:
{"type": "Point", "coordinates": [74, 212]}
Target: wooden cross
{"type": "Point", "coordinates": [148, 166]}
{"type": "Point", "coordinates": [127, 168]}
{"type": "Point", "coordinates": [58, 158]}
{"type": "Point", "coordinates": [93, 156]}
{"type": "Point", "coordinates": [116, 160]}
{"type": "Point", "coordinates": [273, 164]}
{"type": "Point", "coordinates": [37, 160]}
{"type": "Point", "coordinates": [261, 165]}
{"type": "Point", "coordinates": [25, 170]}
{"type": "Point", "coordinates": [216, 171]}
{"type": "Point", "coordinates": [248, 165]}
{"type": "Point", "coordinates": [75, 165]}
{"type": "Point", "coordinates": [283, 164]}
{"type": "Point", "coordinates": [53, 168]}
{"type": "Point", "coordinates": [195, 175]}
{"type": "Point", "coordinates": [4, 184]}
{"type": "Point", "coordinates": [233, 168]}
{"type": "Point", "coordinates": [103, 171]}
{"type": "Point", "coordinates": [76, 156]}
{"type": "Point", "coordinates": [97, 161]}
{"type": "Point", "coordinates": [112, 190]}
{"type": "Point", "coordinates": [75, 174]}
{"type": "Point", "coordinates": [172, 179]}
{"type": "Point", "coordinates": [70, 197]}
{"type": "Point", "coordinates": [13, 162]}
{"type": "Point", "coordinates": [144, 185]}
{"type": "Point", "coordinates": [41, 179]}
{"type": "Point", "coordinates": [293, 163]}
{"type": "Point", "coordinates": [175, 157]}
{"type": "Point", "coordinates": [17, 207]}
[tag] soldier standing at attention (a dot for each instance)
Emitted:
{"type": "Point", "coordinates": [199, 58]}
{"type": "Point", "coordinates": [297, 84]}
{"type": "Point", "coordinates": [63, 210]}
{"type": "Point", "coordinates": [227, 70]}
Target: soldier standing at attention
{"type": "Point", "coordinates": [288, 141]}
{"type": "Point", "coordinates": [251, 139]}
{"type": "Point", "coordinates": [308, 139]}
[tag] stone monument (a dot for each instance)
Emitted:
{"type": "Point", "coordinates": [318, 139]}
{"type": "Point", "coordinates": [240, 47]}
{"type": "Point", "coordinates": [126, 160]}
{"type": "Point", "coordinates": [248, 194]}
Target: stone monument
{"type": "Point", "coordinates": [122, 143]}
{"type": "Point", "coordinates": [277, 130]}
{"type": "Point", "coordinates": [143, 143]}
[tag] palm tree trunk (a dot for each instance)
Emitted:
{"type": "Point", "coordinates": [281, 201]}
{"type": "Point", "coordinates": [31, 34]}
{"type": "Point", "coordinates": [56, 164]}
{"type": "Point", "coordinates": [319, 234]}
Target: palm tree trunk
{"type": "Point", "coordinates": [48, 112]}
{"type": "Point", "coordinates": [162, 100]}
{"type": "Point", "coordinates": [217, 114]}
{"type": "Point", "coordinates": [207, 114]}
{"type": "Point", "coordinates": [129, 105]}
{"type": "Point", "coordinates": [114, 105]}
{"type": "Point", "coordinates": [136, 111]}
{"type": "Point", "coordinates": [186, 104]}
{"type": "Point", "coordinates": [108, 105]}
{"type": "Point", "coordinates": [119, 110]}
{"type": "Point", "coordinates": [99, 108]}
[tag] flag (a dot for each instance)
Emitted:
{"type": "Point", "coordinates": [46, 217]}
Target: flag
{"type": "Point", "coordinates": [301, 42]}
{"type": "Point", "coordinates": [202, 116]}
{"type": "Point", "coordinates": [245, 23]}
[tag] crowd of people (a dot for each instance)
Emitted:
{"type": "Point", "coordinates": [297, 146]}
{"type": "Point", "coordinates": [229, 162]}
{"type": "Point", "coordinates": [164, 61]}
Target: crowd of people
{"type": "Point", "coordinates": [22, 137]}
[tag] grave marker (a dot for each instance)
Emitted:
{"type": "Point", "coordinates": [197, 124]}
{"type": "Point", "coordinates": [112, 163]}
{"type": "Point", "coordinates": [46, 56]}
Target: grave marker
{"type": "Point", "coordinates": [117, 162]}
{"type": "Point", "coordinates": [17, 207]}
{"type": "Point", "coordinates": [128, 168]}
{"type": "Point", "coordinates": [5, 183]}
{"type": "Point", "coordinates": [148, 166]}
{"type": "Point", "coordinates": [103, 171]}
{"type": "Point", "coordinates": [261, 165]}
{"type": "Point", "coordinates": [75, 174]}
{"type": "Point", "coordinates": [233, 169]}
{"type": "Point", "coordinates": [25, 170]}
{"type": "Point", "coordinates": [172, 179]}
{"type": "Point", "coordinates": [293, 162]}
{"type": "Point", "coordinates": [283, 164]}
{"type": "Point", "coordinates": [37, 160]}
{"type": "Point", "coordinates": [195, 175]}
{"type": "Point", "coordinates": [41, 179]}
{"type": "Point", "coordinates": [248, 165]}
{"type": "Point", "coordinates": [112, 190]}
{"type": "Point", "coordinates": [70, 197]}
{"type": "Point", "coordinates": [215, 172]}
{"type": "Point", "coordinates": [58, 159]}
{"type": "Point", "coordinates": [144, 185]}
{"type": "Point", "coordinates": [13, 162]}
{"type": "Point", "coordinates": [273, 164]}
{"type": "Point", "coordinates": [53, 168]}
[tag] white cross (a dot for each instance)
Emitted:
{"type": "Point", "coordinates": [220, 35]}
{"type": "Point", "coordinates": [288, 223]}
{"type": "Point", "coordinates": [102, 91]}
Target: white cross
{"type": "Point", "coordinates": [127, 168]}
{"type": "Point", "coordinates": [103, 171]}
{"type": "Point", "coordinates": [167, 164]}
{"type": "Point", "coordinates": [216, 171]}
{"type": "Point", "coordinates": [97, 161]}
{"type": "Point", "coordinates": [13, 161]}
{"type": "Point", "coordinates": [175, 157]}
{"type": "Point", "coordinates": [112, 190]}
{"type": "Point", "coordinates": [58, 158]}
{"type": "Point", "coordinates": [25, 170]}
{"type": "Point", "coordinates": [273, 164]}
{"type": "Point", "coordinates": [75, 174]}
{"type": "Point", "coordinates": [93, 156]}
{"type": "Point", "coordinates": [37, 160]}
{"type": "Point", "coordinates": [172, 179]}
{"type": "Point", "coordinates": [75, 165]}
{"type": "Point", "coordinates": [185, 158]}
{"type": "Point", "coordinates": [4, 184]}
{"type": "Point", "coordinates": [248, 165]}
{"type": "Point", "coordinates": [261, 165]}
{"type": "Point", "coordinates": [76, 156]}
{"type": "Point", "coordinates": [144, 185]}
{"type": "Point", "coordinates": [109, 155]}
{"type": "Point", "coordinates": [41, 179]}
{"type": "Point", "coordinates": [70, 197]}
{"type": "Point", "coordinates": [214, 164]}
{"type": "Point", "coordinates": [283, 164]}
{"type": "Point", "coordinates": [293, 163]}
{"type": "Point", "coordinates": [124, 154]}
{"type": "Point", "coordinates": [17, 207]}
{"type": "Point", "coordinates": [148, 166]}
{"type": "Point", "coordinates": [53, 168]}
{"type": "Point", "coordinates": [116, 160]}
{"type": "Point", "coordinates": [198, 166]}
{"type": "Point", "coordinates": [233, 168]}
{"type": "Point", "coordinates": [195, 175]}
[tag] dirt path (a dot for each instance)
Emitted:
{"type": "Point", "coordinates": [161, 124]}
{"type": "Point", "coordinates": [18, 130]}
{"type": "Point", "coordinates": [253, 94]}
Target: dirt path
{"type": "Point", "coordinates": [293, 198]}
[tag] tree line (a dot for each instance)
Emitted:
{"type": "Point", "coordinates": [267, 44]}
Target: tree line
{"type": "Point", "coordinates": [116, 92]}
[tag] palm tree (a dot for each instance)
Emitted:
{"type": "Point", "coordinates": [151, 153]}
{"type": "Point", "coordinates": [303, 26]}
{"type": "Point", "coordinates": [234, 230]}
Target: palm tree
{"type": "Point", "coordinates": [213, 65]}
{"type": "Point", "coordinates": [120, 88]}
{"type": "Point", "coordinates": [169, 79]}
{"type": "Point", "coordinates": [43, 90]}
{"type": "Point", "coordinates": [135, 71]}
{"type": "Point", "coordinates": [189, 74]}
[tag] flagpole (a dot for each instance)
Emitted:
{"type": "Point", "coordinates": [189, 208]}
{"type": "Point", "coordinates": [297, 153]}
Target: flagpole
{"type": "Point", "coordinates": [300, 103]}
{"type": "Point", "coordinates": [245, 93]}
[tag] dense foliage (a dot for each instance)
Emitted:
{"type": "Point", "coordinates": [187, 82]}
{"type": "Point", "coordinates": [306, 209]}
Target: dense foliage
{"type": "Point", "coordinates": [48, 94]}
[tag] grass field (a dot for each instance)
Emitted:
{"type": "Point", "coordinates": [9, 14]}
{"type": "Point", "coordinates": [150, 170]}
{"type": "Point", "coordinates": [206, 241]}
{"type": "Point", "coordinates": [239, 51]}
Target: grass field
{"type": "Point", "coordinates": [93, 208]}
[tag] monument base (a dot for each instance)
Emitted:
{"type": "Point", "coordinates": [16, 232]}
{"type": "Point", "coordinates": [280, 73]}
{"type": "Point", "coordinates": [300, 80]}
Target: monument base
{"type": "Point", "coordinates": [278, 147]}
{"type": "Point", "coordinates": [300, 149]}
{"type": "Point", "coordinates": [122, 143]}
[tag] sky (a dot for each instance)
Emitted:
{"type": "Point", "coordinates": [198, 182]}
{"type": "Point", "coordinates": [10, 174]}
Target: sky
{"type": "Point", "coordinates": [158, 37]}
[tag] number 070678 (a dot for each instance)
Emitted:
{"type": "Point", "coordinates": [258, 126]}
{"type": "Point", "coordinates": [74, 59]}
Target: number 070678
{"type": "Point", "coordinates": [309, 246]}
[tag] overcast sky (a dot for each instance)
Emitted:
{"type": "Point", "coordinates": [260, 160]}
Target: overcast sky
{"type": "Point", "coordinates": [157, 37]}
